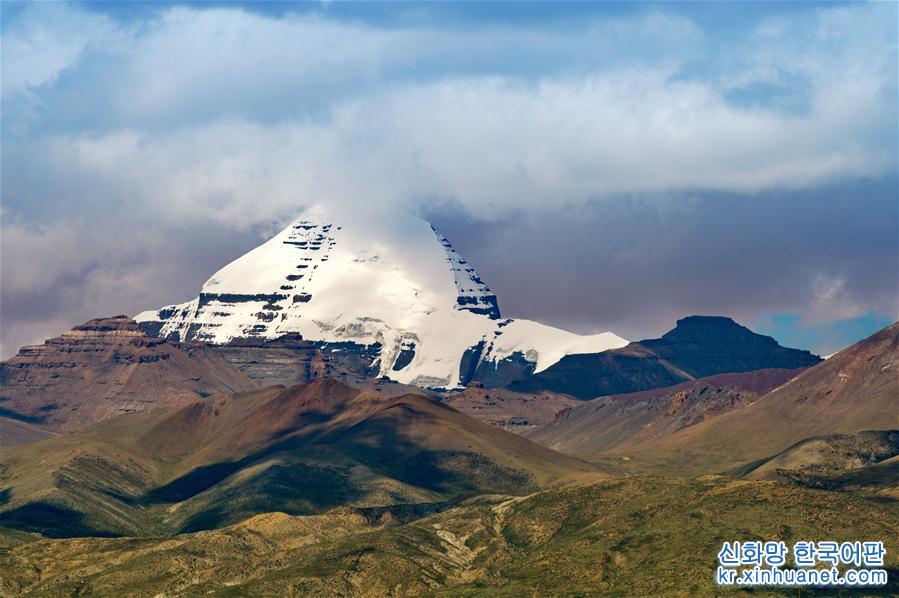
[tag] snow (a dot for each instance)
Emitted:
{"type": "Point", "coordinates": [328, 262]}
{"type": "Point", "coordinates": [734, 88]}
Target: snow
{"type": "Point", "coordinates": [397, 283]}
{"type": "Point", "coordinates": [546, 345]}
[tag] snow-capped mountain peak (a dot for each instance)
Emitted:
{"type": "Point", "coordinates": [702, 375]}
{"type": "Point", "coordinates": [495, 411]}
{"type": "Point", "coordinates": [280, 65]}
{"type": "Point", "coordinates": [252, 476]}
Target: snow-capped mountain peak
{"type": "Point", "coordinates": [407, 296]}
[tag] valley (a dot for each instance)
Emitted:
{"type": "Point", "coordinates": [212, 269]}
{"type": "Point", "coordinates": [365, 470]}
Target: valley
{"type": "Point", "coordinates": [372, 488]}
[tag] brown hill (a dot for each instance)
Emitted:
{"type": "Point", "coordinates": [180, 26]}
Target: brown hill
{"type": "Point", "coordinates": [510, 410]}
{"type": "Point", "coordinates": [107, 367]}
{"type": "Point", "coordinates": [627, 420]}
{"type": "Point", "coordinates": [302, 450]}
{"type": "Point", "coordinates": [854, 391]}
{"type": "Point", "coordinates": [14, 432]}
{"type": "Point", "coordinates": [859, 463]}
{"type": "Point", "coordinates": [810, 460]}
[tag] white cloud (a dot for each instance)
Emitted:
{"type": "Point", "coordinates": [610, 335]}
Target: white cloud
{"type": "Point", "coordinates": [47, 40]}
{"type": "Point", "coordinates": [222, 116]}
{"type": "Point", "coordinates": [491, 144]}
{"type": "Point", "coordinates": [832, 298]}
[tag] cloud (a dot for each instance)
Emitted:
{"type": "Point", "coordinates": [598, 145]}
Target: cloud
{"type": "Point", "coordinates": [46, 41]}
{"type": "Point", "coordinates": [124, 139]}
{"type": "Point", "coordinates": [65, 273]}
{"type": "Point", "coordinates": [635, 264]}
{"type": "Point", "coordinates": [493, 145]}
{"type": "Point", "coordinates": [207, 111]}
{"type": "Point", "coordinates": [182, 65]}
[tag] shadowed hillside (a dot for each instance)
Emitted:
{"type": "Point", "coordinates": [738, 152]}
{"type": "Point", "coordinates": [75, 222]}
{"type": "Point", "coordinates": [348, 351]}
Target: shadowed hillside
{"type": "Point", "coordinates": [302, 450]}
{"type": "Point", "coordinates": [698, 346]}
{"type": "Point", "coordinates": [822, 460]}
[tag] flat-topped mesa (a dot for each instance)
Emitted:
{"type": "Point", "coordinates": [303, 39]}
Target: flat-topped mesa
{"type": "Point", "coordinates": [710, 328]}
{"type": "Point", "coordinates": [708, 345]}
{"type": "Point", "coordinates": [116, 326]}
{"type": "Point", "coordinates": [121, 324]}
{"type": "Point", "coordinates": [390, 291]}
{"type": "Point", "coordinates": [95, 336]}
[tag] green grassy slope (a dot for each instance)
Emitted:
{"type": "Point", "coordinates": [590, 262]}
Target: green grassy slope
{"type": "Point", "coordinates": [633, 536]}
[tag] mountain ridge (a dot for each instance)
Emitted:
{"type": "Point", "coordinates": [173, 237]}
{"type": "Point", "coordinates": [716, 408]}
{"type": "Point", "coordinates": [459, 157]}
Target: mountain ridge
{"type": "Point", "coordinates": [851, 392]}
{"type": "Point", "coordinates": [698, 346]}
{"type": "Point", "coordinates": [617, 422]}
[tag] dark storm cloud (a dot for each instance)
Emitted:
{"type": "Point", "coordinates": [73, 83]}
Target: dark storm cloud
{"type": "Point", "coordinates": [636, 265]}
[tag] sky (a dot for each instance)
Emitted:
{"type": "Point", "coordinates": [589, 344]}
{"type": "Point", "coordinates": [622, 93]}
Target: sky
{"type": "Point", "coordinates": [605, 166]}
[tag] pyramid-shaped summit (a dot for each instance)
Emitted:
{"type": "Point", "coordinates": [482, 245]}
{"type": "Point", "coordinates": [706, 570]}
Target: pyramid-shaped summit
{"type": "Point", "coordinates": [397, 288]}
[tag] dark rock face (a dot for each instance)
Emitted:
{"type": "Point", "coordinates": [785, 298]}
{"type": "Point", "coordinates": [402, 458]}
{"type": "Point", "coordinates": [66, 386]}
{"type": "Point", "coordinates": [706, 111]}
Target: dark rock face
{"type": "Point", "coordinates": [473, 293]}
{"type": "Point", "coordinates": [485, 306]}
{"type": "Point", "coordinates": [708, 345]}
{"type": "Point", "coordinates": [291, 360]}
{"type": "Point", "coordinates": [469, 363]}
{"type": "Point", "coordinates": [207, 298]}
{"type": "Point", "coordinates": [698, 346]}
{"type": "Point", "coordinates": [287, 361]}
{"type": "Point", "coordinates": [494, 374]}
{"type": "Point", "coordinates": [407, 354]}
{"type": "Point", "coordinates": [590, 375]}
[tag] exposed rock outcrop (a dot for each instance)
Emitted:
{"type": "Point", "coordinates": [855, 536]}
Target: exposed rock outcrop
{"type": "Point", "coordinates": [107, 367]}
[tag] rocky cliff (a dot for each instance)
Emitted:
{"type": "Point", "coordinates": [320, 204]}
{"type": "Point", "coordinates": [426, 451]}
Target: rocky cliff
{"type": "Point", "coordinates": [107, 367]}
